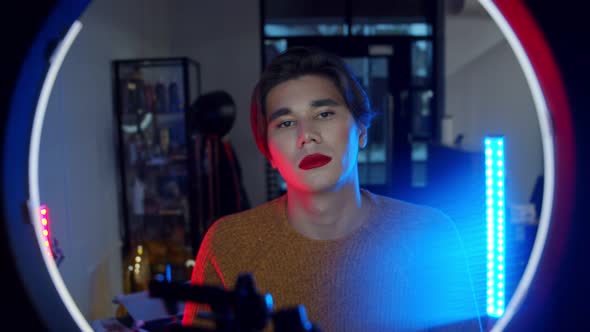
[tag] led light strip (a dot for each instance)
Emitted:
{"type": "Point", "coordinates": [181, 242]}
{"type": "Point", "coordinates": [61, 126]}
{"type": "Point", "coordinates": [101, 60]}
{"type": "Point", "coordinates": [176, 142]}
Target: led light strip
{"type": "Point", "coordinates": [55, 65]}
{"type": "Point", "coordinates": [45, 221]}
{"type": "Point", "coordinates": [548, 163]}
{"type": "Point", "coordinates": [495, 217]}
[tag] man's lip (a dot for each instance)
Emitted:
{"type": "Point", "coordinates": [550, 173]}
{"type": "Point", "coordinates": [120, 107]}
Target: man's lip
{"type": "Point", "coordinates": [314, 161]}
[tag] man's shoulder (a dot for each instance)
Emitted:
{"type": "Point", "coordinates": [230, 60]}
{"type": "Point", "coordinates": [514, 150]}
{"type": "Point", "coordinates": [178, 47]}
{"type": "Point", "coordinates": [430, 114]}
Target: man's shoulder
{"type": "Point", "coordinates": [409, 215]}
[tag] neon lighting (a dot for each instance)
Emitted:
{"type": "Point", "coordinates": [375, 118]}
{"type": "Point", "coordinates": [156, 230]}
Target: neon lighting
{"type": "Point", "coordinates": [44, 214]}
{"type": "Point", "coordinates": [168, 273]}
{"type": "Point", "coordinates": [495, 174]}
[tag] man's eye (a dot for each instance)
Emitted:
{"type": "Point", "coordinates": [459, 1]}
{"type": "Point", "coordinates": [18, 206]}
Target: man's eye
{"type": "Point", "coordinates": [285, 124]}
{"type": "Point", "coordinates": [325, 114]}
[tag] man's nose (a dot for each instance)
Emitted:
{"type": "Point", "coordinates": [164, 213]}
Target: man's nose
{"type": "Point", "coordinates": [307, 133]}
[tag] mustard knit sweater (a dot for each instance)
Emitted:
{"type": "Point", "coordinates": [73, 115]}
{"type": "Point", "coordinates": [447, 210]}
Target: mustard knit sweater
{"type": "Point", "coordinates": [402, 270]}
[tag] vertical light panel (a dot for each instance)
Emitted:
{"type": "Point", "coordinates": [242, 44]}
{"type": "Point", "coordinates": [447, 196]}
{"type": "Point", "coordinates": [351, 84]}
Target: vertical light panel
{"type": "Point", "coordinates": [495, 222]}
{"type": "Point", "coordinates": [45, 222]}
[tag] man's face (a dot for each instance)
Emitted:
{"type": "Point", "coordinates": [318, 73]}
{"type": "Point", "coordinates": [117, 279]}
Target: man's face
{"type": "Point", "coordinates": [313, 138]}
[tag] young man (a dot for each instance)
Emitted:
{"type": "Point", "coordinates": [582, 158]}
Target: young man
{"type": "Point", "coordinates": [357, 261]}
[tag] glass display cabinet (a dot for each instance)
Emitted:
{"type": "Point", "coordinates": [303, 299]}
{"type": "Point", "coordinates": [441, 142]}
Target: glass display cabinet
{"type": "Point", "coordinates": [151, 101]}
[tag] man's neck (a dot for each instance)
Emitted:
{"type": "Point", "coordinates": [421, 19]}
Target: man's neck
{"type": "Point", "coordinates": [326, 215]}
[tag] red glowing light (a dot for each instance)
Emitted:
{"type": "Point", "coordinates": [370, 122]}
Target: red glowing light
{"type": "Point", "coordinates": [45, 221]}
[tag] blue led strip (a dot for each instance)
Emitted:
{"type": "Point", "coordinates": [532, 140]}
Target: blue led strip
{"type": "Point", "coordinates": [495, 221]}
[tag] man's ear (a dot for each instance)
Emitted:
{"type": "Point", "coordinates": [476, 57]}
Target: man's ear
{"type": "Point", "coordinates": [363, 138]}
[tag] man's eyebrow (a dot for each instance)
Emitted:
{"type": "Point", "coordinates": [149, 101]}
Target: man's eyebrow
{"type": "Point", "coordinates": [278, 113]}
{"type": "Point", "coordinates": [324, 102]}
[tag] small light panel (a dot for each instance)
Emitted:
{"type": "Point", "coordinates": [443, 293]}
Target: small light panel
{"type": "Point", "coordinates": [495, 202]}
{"type": "Point", "coordinates": [168, 273]}
{"type": "Point", "coordinates": [45, 222]}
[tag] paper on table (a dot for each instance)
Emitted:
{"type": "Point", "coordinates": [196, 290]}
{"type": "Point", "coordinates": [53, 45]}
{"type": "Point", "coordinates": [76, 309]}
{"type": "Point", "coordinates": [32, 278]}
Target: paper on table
{"type": "Point", "coordinates": [142, 307]}
{"type": "Point", "coordinates": [113, 325]}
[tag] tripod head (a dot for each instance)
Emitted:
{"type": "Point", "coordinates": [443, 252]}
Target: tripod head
{"type": "Point", "coordinates": [240, 310]}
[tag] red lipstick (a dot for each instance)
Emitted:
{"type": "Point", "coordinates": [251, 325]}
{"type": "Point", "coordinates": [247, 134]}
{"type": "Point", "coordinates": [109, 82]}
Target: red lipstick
{"type": "Point", "coordinates": [314, 161]}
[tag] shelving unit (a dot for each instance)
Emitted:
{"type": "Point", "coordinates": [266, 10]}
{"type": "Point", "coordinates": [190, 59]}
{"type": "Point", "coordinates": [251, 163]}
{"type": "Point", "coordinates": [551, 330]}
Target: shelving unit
{"type": "Point", "coordinates": [151, 100]}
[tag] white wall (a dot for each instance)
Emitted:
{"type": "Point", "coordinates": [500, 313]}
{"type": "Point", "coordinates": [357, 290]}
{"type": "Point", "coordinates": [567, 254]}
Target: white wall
{"type": "Point", "coordinates": [223, 36]}
{"type": "Point", "coordinates": [466, 38]}
{"type": "Point", "coordinates": [486, 93]}
{"type": "Point", "coordinates": [78, 173]}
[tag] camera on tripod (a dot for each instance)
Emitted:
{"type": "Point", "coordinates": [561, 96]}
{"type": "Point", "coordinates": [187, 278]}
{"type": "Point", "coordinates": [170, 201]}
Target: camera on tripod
{"type": "Point", "coordinates": [243, 309]}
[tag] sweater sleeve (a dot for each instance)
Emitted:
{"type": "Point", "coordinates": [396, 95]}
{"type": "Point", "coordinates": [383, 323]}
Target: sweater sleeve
{"type": "Point", "coordinates": [205, 272]}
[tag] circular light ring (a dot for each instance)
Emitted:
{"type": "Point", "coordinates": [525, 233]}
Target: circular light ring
{"type": "Point", "coordinates": [34, 200]}
{"type": "Point", "coordinates": [39, 32]}
{"type": "Point", "coordinates": [544, 80]}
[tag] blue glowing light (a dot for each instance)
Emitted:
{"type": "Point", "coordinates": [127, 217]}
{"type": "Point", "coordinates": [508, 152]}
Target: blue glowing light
{"type": "Point", "coordinates": [495, 202]}
{"type": "Point", "coordinates": [168, 273]}
{"type": "Point", "coordinates": [269, 301]}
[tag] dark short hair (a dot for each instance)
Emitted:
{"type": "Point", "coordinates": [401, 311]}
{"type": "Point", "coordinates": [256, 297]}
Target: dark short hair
{"type": "Point", "coordinates": [300, 61]}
